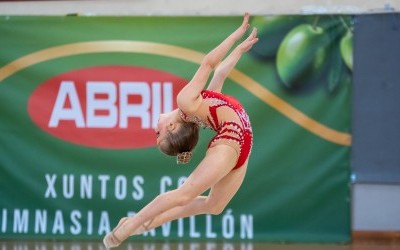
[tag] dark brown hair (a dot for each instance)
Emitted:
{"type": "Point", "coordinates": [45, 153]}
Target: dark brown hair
{"type": "Point", "coordinates": [183, 140]}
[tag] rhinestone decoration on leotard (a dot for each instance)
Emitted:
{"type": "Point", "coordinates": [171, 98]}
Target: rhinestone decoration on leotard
{"type": "Point", "coordinates": [227, 130]}
{"type": "Point", "coordinates": [194, 119]}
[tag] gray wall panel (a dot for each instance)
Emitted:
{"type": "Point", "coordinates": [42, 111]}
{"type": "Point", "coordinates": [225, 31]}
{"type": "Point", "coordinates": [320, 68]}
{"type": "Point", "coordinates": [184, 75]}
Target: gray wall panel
{"type": "Point", "coordinates": [376, 99]}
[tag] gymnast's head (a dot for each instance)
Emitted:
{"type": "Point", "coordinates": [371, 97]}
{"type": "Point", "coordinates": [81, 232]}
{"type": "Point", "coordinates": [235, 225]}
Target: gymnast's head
{"type": "Point", "coordinates": [176, 137]}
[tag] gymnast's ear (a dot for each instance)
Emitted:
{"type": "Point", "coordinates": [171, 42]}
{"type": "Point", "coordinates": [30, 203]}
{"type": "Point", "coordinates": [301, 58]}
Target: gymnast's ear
{"type": "Point", "coordinates": [171, 126]}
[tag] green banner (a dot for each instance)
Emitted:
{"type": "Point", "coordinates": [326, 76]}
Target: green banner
{"type": "Point", "coordinates": [80, 96]}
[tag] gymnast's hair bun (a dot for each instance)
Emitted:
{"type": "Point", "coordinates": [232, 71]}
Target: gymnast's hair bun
{"type": "Point", "coordinates": [184, 157]}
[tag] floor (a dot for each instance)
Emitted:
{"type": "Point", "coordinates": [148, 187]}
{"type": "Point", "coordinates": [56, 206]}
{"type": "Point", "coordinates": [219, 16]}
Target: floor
{"type": "Point", "coordinates": [388, 244]}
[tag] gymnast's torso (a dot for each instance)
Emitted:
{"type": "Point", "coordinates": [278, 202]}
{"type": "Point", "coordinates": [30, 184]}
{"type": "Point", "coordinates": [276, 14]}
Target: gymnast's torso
{"type": "Point", "coordinates": [227, 117]}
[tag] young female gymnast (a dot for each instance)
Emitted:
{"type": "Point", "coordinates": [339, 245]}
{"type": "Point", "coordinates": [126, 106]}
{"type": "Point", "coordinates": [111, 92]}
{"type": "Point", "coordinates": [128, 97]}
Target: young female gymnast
{"type": "Point", "coordinates": [224, 166]}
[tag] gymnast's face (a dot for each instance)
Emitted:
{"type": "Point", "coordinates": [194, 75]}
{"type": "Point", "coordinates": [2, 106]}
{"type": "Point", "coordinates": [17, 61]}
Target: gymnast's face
{"type": "Point", "coordinates": [166, 123]}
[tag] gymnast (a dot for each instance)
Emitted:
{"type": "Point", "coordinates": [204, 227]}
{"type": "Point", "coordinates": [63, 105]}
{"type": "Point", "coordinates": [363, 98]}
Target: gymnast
{"type": "Point", "coordinates": [224, 165]}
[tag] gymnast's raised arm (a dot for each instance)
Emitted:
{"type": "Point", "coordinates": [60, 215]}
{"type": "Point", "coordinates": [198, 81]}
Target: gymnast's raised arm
{"type": "Point", "coordinates": [225, 67]}
{"type": "Point", "coordinates": [188, 98]}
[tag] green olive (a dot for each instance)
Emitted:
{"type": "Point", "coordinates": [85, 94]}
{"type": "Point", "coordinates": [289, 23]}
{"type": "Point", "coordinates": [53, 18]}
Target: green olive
{"type": "Point", "coordinates": [271, 31]}
{"type": "Point", "coordinates": [302, 55]}
{"type": "Point", "coordinates": [346, 49]}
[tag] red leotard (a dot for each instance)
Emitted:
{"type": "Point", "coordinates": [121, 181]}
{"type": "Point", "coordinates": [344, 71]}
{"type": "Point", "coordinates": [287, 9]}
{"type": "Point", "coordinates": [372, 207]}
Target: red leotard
{"type": "Point", "coordinates": [225, 115]}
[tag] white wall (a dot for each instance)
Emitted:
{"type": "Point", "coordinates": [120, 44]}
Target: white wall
{"type": "Point", "coordinates": [195, 7]}
{"type": "Point", "coordinates": [375, 207]}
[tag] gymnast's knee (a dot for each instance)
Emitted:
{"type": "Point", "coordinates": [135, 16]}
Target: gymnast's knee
{"type": "Point", "coordinates": [182, 198]}
{"type": "Point", "coordinates": [215, 207]}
